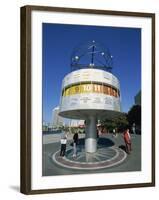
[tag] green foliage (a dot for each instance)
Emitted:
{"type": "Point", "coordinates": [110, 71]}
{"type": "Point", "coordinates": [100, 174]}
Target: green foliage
{"type": "Point", "coordinates": [66, 128]}
{"type": "Point", "coordinates": [119, 122]}
{"type": "Point", "coordinates": [134, 115]}
{"type": "Point", "coordinates": [122, 121]}
{"type": "Point", "coordinates": [73, 129]}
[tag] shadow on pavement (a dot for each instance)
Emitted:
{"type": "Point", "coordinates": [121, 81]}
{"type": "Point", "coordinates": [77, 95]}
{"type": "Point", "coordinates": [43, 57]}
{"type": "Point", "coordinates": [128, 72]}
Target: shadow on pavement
{"type": "Point", "coordinates": [122, 147]}
{"type": "Point", "coordinates": [101, 142]}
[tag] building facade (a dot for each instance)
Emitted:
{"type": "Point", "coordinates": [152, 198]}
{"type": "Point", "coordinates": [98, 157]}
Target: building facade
{"type": "Point", "coordinates": [57, 121]}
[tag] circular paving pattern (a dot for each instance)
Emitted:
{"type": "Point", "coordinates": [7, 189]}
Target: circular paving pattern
{"type": "Point", "coordinates": [104, 157]}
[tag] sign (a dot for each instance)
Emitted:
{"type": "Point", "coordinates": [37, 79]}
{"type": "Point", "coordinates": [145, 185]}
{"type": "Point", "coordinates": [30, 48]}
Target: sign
{"type": "Point", "coordinates": [90, 88]}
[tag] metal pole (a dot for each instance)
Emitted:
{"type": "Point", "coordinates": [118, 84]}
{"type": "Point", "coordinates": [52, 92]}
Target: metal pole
{"type": "Point", "coordinates": [92, 59]}
{"type": "Point", "coordinates": [91, 135]}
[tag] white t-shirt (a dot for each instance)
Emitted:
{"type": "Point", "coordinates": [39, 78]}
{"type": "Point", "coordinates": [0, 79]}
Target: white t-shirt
{"type": "Point", "coordinates": [63, 141]}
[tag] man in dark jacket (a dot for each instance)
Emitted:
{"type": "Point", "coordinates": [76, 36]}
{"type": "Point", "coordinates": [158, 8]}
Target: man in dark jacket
{"type": "Point", "coordinates": [75, 142]}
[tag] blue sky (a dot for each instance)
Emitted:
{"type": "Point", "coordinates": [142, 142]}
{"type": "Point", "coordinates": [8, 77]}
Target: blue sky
{"type": "Point", "coordinates": [59, 40]}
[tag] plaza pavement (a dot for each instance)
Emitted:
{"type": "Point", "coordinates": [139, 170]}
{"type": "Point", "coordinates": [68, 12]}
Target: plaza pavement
{"type": "Point", "coordinates": [51, 144]}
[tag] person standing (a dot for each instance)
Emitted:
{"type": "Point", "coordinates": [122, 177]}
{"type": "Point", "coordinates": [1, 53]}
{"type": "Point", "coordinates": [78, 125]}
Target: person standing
{"type": "Point", "coordinates": [97, 133]}
{"type": "Point", "coordinates": [75, 142]}
{"type": "Point", "coordinates": [127, 139]}
{"type": "Point", "coordinates": [63, 145]}
{"type": "Point", "coordinates": [134, 129]}
{"type": "Point", "coordinates": [114, 132]}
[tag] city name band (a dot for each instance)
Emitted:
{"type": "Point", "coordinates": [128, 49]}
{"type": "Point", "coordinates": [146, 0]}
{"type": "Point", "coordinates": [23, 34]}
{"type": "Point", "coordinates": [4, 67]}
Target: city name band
{"type": "Point", "coordinates": [90, 87]}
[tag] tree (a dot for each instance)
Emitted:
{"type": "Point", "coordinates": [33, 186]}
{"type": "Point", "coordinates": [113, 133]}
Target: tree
{"type": "Point", "coordinates": [134, 115]}
{"type": "Point", "coordinates": [120, 122]}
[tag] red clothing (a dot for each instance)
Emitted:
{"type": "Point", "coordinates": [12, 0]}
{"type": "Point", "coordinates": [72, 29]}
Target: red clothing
{"type": "Point", "coordinates": [127, 137]}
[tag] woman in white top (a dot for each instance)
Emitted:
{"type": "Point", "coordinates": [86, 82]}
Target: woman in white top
{"type": "Point", "coordinates": [63, 145]}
